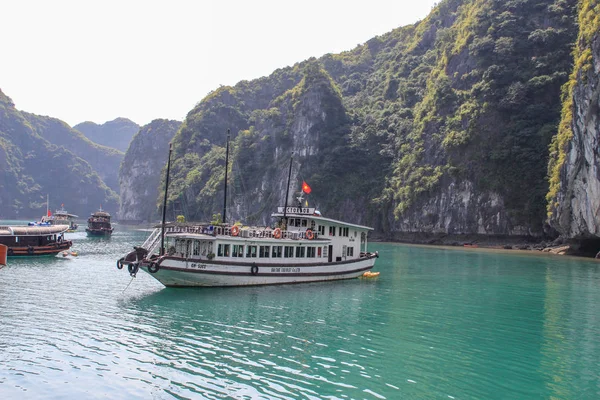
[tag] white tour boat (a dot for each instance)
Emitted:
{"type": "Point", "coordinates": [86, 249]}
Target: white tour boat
{"type": "Point", "coordinates": [312, 248]}
{"type": "Point", "coordinates": [302, 246]}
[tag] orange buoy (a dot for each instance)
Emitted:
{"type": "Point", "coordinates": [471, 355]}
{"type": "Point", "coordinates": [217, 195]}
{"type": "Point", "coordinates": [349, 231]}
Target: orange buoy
{"type": "Point", "coordinates": [309, 234]}
{"type": "Point", "coordinates": [277, 233]}
{"type": "Point", "coordinates": [370, 274]}
{"type": "Point", "coordinates": [235, 230]}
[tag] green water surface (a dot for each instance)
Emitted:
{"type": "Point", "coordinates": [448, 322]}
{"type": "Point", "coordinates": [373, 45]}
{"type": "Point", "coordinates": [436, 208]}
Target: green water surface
{"type": "Point", "coordinates": [437, 324]}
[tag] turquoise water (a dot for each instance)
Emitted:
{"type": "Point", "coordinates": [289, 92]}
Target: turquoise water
{"type": "Point", "coordinates": [436, 324]}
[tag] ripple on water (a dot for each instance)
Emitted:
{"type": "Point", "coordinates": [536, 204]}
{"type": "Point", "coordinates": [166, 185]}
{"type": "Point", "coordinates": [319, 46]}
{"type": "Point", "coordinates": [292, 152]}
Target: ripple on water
{"type": "Point", "coordinates": [436, 324]}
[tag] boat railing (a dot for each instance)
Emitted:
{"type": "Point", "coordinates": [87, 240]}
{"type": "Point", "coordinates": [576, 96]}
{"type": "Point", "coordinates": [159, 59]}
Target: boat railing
{"type": "Point", "coordinates": [153, 241]}
{"type": "Point", "coordinates": [245, 232]}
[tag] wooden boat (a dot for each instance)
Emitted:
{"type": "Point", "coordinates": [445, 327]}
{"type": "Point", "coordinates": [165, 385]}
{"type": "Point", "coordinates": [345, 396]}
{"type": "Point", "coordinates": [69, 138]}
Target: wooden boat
{"type": "Point", "coordinates": [99, 224]}
{"type": "Point", "coordinates": [34, 240]}
{"type": "Point", "coordinates": [303, 246]}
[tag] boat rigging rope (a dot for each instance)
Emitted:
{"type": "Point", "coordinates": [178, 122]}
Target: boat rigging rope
{"type": "Point", "coordinates": [132, 278]}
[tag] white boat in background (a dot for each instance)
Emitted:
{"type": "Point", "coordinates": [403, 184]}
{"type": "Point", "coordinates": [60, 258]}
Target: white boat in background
{"type": "Point", "coordinates": [302, 246]}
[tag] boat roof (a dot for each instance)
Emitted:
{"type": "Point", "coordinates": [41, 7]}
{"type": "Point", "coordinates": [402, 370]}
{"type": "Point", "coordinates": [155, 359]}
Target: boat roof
{"type": "Point", "coordinates": [317, 217]}
{"type": "Point", "coordinates": [63, 213]}
{"type": "Point", "coordinates": [32, 230]}
{"type": "Point", "coordinates": [100, 214]}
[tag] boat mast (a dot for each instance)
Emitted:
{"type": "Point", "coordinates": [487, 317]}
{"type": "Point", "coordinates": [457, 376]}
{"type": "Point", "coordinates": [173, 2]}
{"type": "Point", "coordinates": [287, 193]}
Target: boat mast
{"type": "Point", "coordinates": [226, 166]}
{"type": "Point", "coordinates": [164, 216]}
{"type": "Point", "coordinates": [287, 191]}
{"type": "Point", "coordinates": [47, 204]}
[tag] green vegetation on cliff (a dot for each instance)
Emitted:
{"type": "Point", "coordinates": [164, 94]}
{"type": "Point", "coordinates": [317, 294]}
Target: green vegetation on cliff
{"type": "Point", "coordinates": [470, 94]}
{"type": "Point", "coordinates": [589, 27]}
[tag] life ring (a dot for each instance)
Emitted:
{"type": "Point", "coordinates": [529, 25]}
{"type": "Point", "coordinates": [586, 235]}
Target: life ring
{"type": "Point", "coordinates": [277, 233]}
{"type": "Point", "coordinates": [235, 230]}
{"type": "Point", "coordinates": [254, 269]}
{"type": "Point", "coordinates": [29, 250]}
{"type": "Point", "coordinates": [120, 263]}
{"type": "Point", "coordinates": [153, 267]}
{"type": "Point", "coordinates": [309, 234]}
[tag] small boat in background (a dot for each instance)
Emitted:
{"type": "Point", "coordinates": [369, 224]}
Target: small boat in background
{"type": "Point", "coordinates": [99, 224]}
{"type": "Point", "coordinates": [34, 240]}
{"type": "Point", "coordinates": [62, 217]}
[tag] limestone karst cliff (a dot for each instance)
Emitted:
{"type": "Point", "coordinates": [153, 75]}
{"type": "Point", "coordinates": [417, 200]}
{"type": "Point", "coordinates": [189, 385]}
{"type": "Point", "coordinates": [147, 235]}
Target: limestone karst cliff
{"type": "Point", "coordinates": [438, 127]}
{"type": "Point", "coordinates": [140, 172]}
{"type": "Point", "coordinates": [574, 207]}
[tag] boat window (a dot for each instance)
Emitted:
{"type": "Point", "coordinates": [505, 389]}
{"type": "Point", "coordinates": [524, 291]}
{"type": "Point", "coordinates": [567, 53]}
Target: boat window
{"type": "Point", "coordinates": [263, 251]}
{"type": "Point", "coordinates": [220, 250]}
{"type": "Point", "coordinates": [180, 246]}
{"type": "Point", "coordinates": [238, 250]}
{"type": "Point", "coordinates": [16, 239]}
{"type": "Point", "coordinates": [251, 251]}
{"type": "Point", "coordinates": [277, 251]}
{"type": "Point", "coordinates": [310, 252]}
{"type": "Point", "coordinates": [318, 252]}
{"type": "Point", "coordinates": [300, 252]}
{"type": "Point", "coordinates": [288, 251]}
{"type": "Point", "coordinates": [226, 250]}
{"type": "Point", "coordinates": [350, 251]}
{"type": "Point", "coordinates": [332, 231]}
{"type": "Point", "coordinates": [304, 223]}
{"type": "Point", "coordinates": [297, 222]}
{"type": "Point", "coordinates": [196, 248]}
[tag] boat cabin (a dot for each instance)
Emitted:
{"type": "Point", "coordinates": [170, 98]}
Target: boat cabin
{"type": "Point", "coordinates": [306, 238]}
{"type": "Point", "coordinates": [24, 236]}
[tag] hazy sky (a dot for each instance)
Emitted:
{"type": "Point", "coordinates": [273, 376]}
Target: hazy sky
{"type": "Point", "coordinates": [85, 60]}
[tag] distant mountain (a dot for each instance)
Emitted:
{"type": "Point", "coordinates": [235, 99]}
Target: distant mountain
{"type": "Point", "coordinates": [104, 160]}
{"type": "Point", "coordinates": [31, 167]}
{"type": "Point", "coordinates": [116, 133]}
{"type": "Point", "coordinates": [140, 173]}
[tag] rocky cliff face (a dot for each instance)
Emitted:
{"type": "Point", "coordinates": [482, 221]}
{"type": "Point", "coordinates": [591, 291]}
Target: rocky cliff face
{"type": "Point", "coordinates": [116, 133]}
{"type": "Point", "coordinates": [439, 127]}
{"type": "Point", "coordinates": [577, 204]}
{"type": "Point", "coordinates": [140, 173]}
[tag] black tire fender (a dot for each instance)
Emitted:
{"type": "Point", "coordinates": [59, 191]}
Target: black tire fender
{"type": "Point", "coordinates": [120, 262]}
{"type": "Point", "coordinates": [153, 268]}
{"type": "Point", "coordinates": [254, 269]}
{"type": "Point", "coordinates": [133, 268]}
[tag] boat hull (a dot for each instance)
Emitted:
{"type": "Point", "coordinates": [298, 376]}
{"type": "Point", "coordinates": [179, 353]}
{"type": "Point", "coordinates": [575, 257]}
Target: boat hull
{"type": "Point", "coordinates": [36, 251]}
{"type": "Point", "coordinates": [91, 232]}
{"type": "Point", "coordinates": [176, 272]}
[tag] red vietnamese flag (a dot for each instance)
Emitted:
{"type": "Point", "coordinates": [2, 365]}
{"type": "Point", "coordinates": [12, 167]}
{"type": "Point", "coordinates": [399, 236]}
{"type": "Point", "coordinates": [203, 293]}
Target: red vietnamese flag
{"type": "Point", "coordinates": [305, 188]}
{"type": "Point", "coordinates": [49, 213]}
